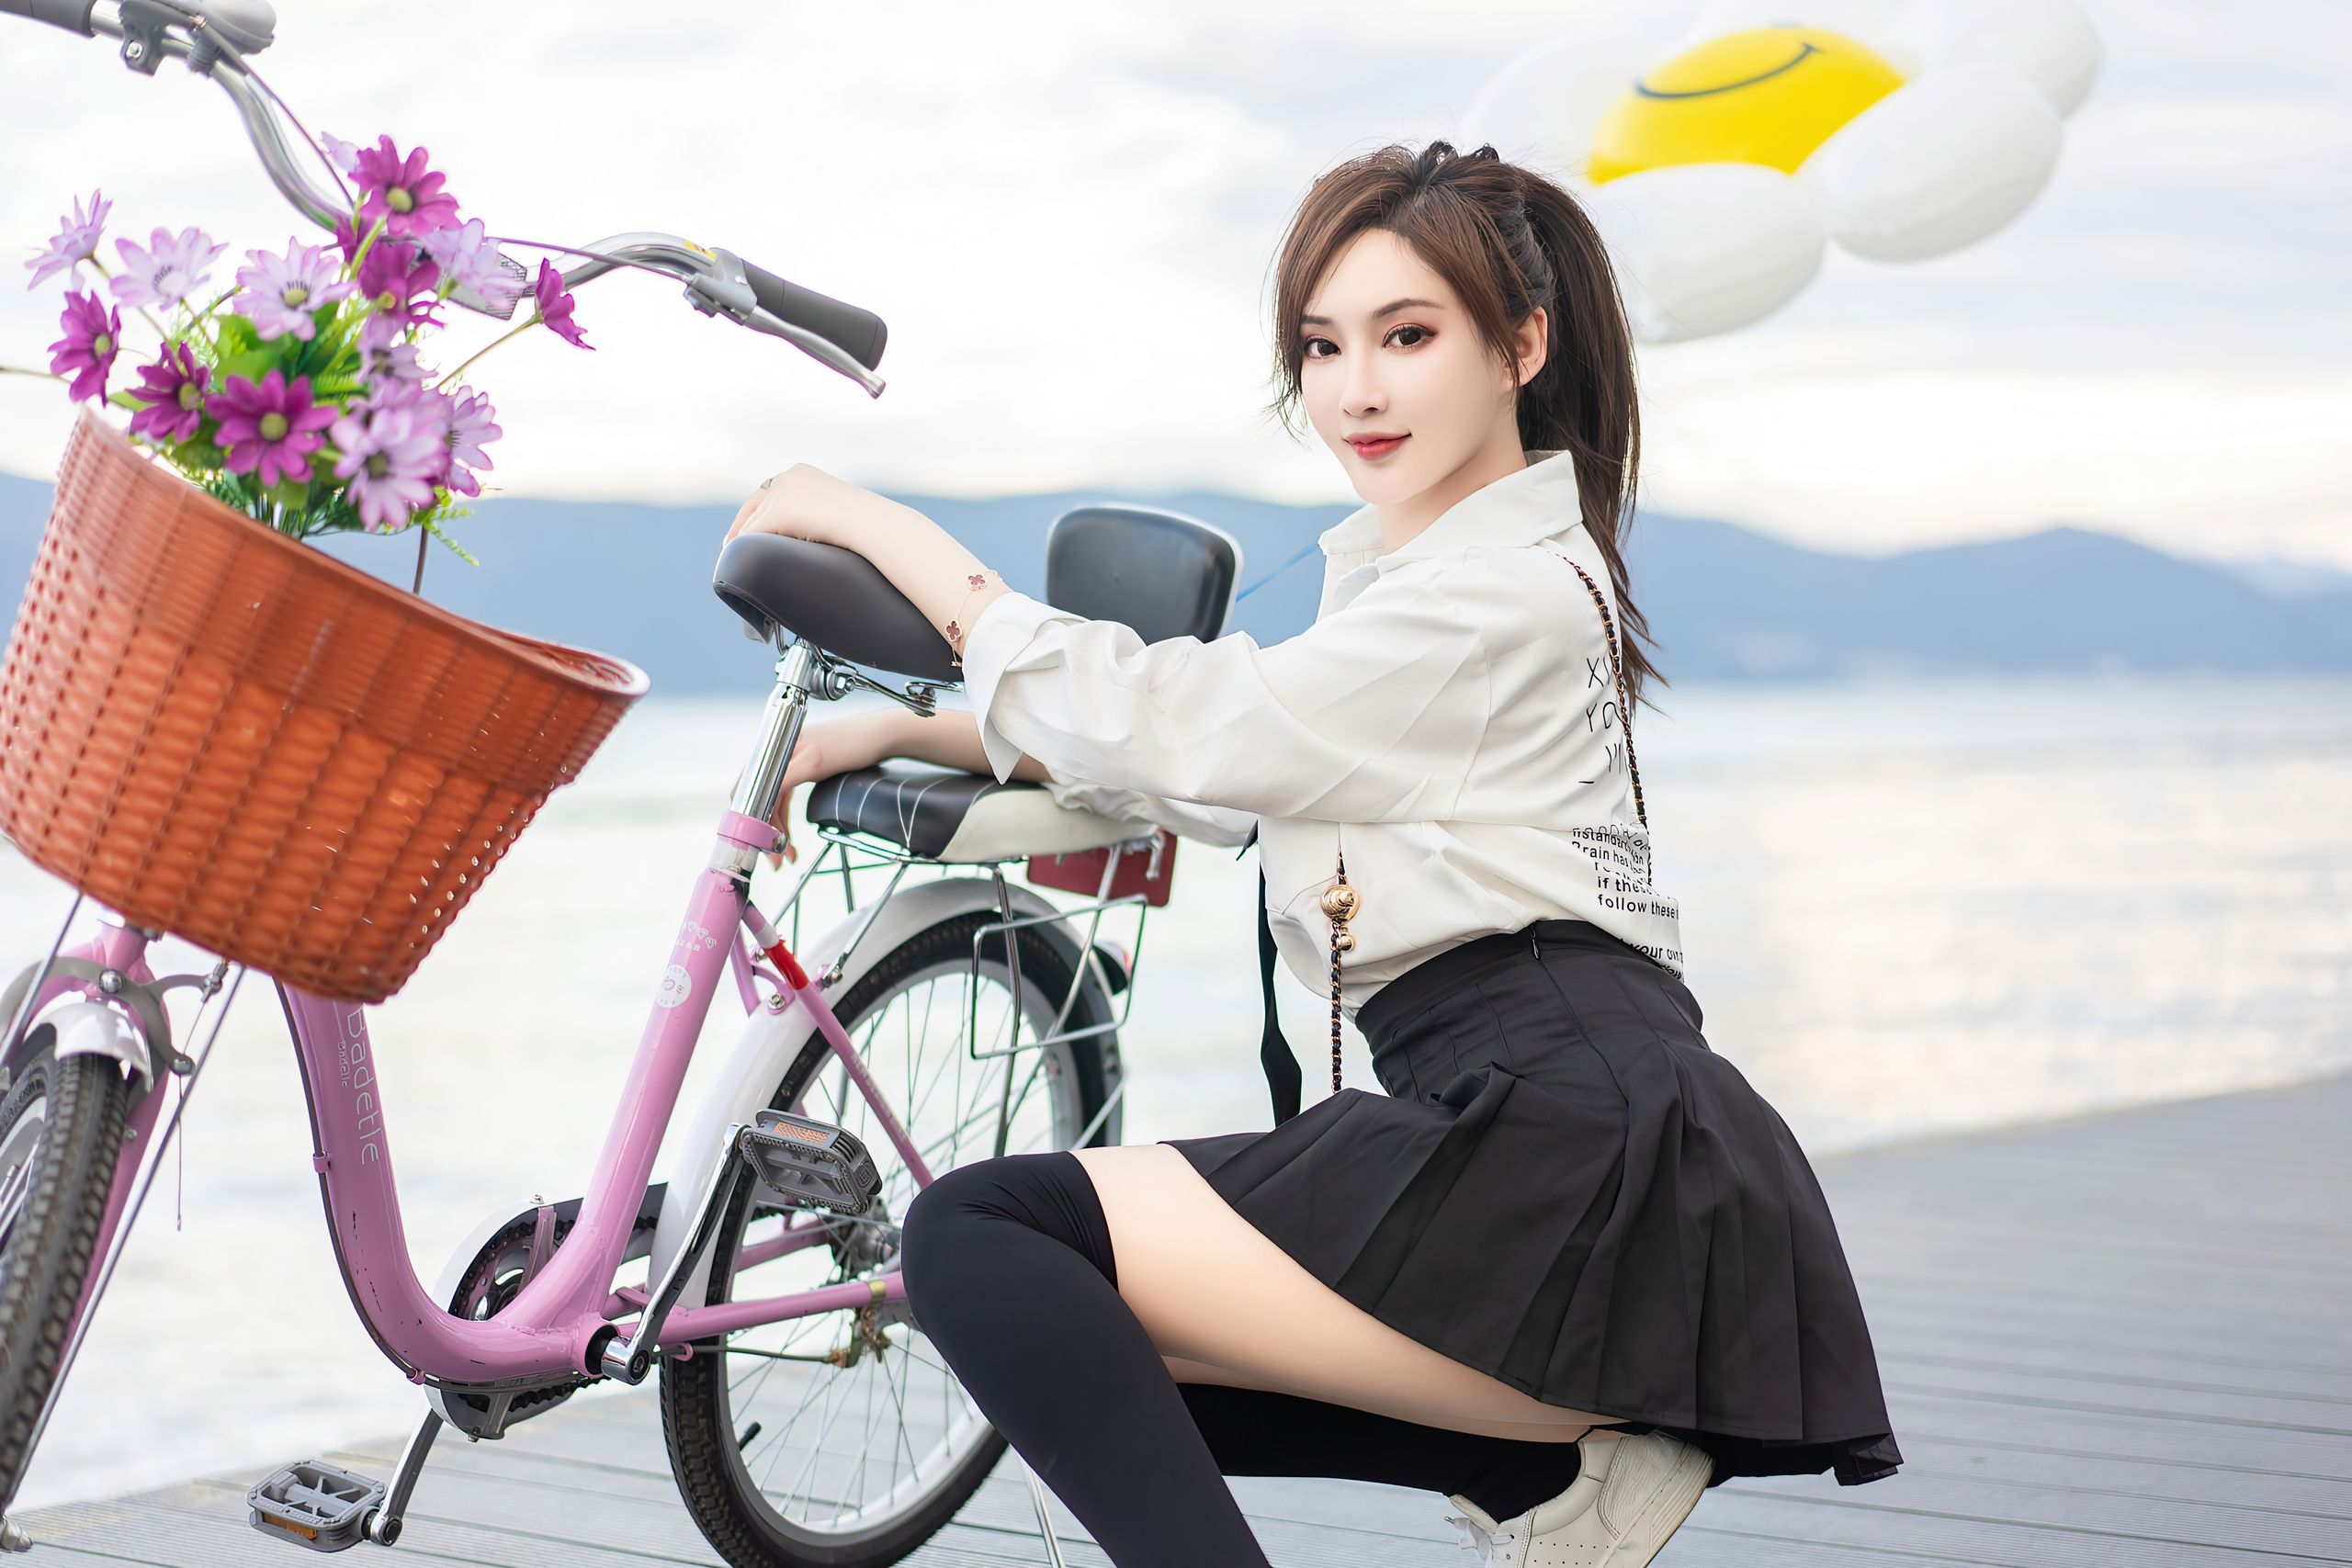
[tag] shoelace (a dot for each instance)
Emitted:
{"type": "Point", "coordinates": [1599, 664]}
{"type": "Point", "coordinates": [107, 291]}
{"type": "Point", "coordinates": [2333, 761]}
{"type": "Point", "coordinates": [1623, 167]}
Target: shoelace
{"type": "Point", "coordinates": [1482, 1541]}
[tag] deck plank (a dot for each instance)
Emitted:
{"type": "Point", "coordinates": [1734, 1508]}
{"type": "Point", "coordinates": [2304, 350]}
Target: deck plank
{"type": "Point", "coordinates": [2114, 1343]}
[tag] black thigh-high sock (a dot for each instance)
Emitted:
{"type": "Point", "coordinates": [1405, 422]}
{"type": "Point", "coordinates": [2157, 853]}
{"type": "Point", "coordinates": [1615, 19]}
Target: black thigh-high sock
{"type": "Point", "coordinates": [1253, 1433]}
{"type": "Point", "coordinates": [1011, 1274]}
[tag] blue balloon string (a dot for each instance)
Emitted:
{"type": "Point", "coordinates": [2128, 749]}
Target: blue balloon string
{"type": "Point", "coordinates": [1311, 545]}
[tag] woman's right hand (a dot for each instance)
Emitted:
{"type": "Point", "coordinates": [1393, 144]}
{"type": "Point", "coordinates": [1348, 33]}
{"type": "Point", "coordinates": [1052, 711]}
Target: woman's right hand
{"type": "Point", "coordinates": [835, 746]}
{"type": "Point", "coordinates": [950, 739]}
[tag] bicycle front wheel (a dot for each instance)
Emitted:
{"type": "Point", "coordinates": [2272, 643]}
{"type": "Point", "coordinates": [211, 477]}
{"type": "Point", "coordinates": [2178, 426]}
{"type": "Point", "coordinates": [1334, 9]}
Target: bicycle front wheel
{"type": "Point", "coordinates": [60, 1130]}
{"type": "Point", "coordinates": [843, 1440]}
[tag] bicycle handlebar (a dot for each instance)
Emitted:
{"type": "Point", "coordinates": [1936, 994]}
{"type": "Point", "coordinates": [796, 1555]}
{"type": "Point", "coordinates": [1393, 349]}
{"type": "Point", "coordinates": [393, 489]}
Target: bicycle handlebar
{"type": "Point", "coordinates": [859, 333]}
{"type": "Point", "coordinates": [73, 15]}
{"type": "Point", "coordinates": [214, 41]}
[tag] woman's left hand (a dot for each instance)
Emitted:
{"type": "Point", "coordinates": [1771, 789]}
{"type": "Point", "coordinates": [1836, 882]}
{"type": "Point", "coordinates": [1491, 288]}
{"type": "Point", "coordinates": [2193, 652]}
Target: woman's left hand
{"type": "Point", "coordinates": [806, 503]}
{"type": "Point", "coordinates": [946, 582]}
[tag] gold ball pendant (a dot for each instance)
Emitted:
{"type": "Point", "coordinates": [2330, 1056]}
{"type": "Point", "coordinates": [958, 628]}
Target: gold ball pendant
{"type": "Point", "coordinates": [1343, 940]}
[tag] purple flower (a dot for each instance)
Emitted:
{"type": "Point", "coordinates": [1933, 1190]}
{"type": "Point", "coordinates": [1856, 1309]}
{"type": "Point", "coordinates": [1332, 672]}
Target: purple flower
{"type": "Point", "coordinates": [402, 193]}
{"type": "Point", "coordinates": [347, 236]}
{"type": "Point", "coordinates": [167, 270]}
{"type": "Point", "coordinates": [173, 388]}
{"type": "Point", "coordinates": [76, 239]}
{"type": "Point", "coordinates": [92, 337]}
{"type": "Point", "coordinates": [469, 258]}
{"type": "Point", "coordinates": [282, 291]}
{"type": "Point", "coordinates": [393, 276]}
{"type": "Point", "coordinates": [386, 358]}
{"type": "Point", "coordinates": [555, 307]}
{"type": "Point", "coordinates": [472, 426]}
{"type": "Point", "coordinates": [393, 458]}
{"type": "Point", "coordinates": [344, 155]}
{"type": "Point", "coordinates": [271, 426]}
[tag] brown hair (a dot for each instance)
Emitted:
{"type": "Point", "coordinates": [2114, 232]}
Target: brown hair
{"type": "Point", "coordinates": [1508, 242]}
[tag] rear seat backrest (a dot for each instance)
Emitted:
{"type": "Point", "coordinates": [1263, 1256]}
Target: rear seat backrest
{"type": "Point", "coordinates": [1164, 574]}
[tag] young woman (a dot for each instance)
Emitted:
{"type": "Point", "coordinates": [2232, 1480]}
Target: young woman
{"type": "Point", "coordinates": [1569, 1268]}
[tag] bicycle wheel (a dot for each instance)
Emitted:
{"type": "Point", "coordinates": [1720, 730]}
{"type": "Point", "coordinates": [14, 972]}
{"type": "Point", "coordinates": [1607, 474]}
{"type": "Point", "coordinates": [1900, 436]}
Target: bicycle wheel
{"type": "Point", "coordinates": [61, 1129]}
{"type": "Point", "coordinates": [844, 1441]}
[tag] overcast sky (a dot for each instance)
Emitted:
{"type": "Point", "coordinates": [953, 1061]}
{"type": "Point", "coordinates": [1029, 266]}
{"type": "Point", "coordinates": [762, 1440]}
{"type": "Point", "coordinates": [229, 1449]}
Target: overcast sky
{"type": "Point", "coordinates": [1065, 210]}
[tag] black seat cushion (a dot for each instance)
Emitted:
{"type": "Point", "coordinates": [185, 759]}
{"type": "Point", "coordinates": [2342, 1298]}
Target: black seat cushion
{"type": "Point", "coordinates": [963, 819]}
{"type": "Point", "coordinates": [918, 810]}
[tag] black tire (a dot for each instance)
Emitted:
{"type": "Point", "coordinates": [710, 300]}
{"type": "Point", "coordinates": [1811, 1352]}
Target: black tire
{"type": "Point", "coordinates": [60, 1132]}
{"type": "Point", "coordinates": [706, 1401]}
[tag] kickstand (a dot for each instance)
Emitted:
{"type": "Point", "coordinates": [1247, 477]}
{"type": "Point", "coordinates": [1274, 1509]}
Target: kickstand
{"type": "Point", "coordinates": [384, 1528]}
{"type": "Point", "coordinates": [1044, 1513]}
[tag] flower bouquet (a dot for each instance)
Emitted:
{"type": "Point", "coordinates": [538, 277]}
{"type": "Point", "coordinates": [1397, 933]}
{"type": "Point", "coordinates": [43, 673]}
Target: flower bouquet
{"type": "Point", "coordinates": [297, 395]}
{"type": "Point", "coordinates": [211, 727]}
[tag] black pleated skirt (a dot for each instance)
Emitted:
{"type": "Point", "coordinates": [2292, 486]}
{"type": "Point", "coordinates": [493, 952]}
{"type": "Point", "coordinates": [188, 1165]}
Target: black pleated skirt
{"type": "Point", "coordinates": [1567, 1189]}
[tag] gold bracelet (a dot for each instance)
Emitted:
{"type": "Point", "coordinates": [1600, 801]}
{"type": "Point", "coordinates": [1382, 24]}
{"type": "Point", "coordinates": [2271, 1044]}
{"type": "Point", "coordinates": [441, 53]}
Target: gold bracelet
{"type": "Point", "coordinates": [957, 633]}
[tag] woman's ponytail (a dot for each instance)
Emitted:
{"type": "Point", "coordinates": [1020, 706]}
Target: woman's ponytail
{"type": "Point", "coordinates": [1584, 401]}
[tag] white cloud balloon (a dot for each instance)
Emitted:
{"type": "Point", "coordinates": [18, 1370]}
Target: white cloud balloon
{"type": "Point", "coordinates": [1545, 103]}
{"type": "Point", "coordinates": [1705, 248]}
{"type": "Point", "coordinates": [1717, 165]}
{"type": "Point", "coordinates": [1936, 168]}
{"type": "Point", "coordinates": [2050, 45]}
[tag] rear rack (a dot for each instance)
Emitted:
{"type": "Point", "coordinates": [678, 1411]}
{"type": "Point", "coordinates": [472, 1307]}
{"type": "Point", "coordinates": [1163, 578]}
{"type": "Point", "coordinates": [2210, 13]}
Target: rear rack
{"type": "Point", "coordinates": [850, 853]}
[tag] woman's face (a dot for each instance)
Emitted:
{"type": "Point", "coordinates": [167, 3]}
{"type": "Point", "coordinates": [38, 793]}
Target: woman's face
{"type": "Point", "coordinates": [1397, 382]}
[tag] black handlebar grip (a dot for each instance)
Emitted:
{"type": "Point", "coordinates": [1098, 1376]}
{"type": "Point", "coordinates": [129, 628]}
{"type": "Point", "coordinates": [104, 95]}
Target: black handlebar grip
{"type": "Point", "coordinates": [861, 334]}
{"type": "Point", "coordinates": [73, 15]}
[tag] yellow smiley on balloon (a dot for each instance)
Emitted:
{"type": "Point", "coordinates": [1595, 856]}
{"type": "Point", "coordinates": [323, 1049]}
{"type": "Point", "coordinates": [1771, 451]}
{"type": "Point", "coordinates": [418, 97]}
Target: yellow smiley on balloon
{"type": "Point", "coordinates": [1766, 96]}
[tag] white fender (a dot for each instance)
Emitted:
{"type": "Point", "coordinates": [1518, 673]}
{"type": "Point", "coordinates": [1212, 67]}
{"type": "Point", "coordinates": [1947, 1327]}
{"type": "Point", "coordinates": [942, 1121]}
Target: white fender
{"type": "Point", "coordinates": [771, 1041]}
{"type": "Point", "coordinates": [94, 1029]}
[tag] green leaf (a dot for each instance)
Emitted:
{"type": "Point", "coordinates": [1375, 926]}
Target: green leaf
{"type": "Point", "coordinates": [199, 459]}
{"type": "Point", "coordinates": [237, 334]}
{"type": "Point", "coordinates": [253, 365]}
{"type": "Point", "coordinates": [464, 555]}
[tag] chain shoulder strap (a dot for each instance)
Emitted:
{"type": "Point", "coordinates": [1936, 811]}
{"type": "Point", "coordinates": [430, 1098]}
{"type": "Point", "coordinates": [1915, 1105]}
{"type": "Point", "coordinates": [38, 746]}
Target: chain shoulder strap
{"type": "Point", "coordinates": [1341, 904]}
{"type": "Point", "coordinates": [1617, 673]}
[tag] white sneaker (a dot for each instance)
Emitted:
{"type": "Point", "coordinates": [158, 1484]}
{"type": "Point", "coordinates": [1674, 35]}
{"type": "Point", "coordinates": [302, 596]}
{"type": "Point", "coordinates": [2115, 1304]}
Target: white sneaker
{"type": "Point", "coordinates": [1632, 1493]}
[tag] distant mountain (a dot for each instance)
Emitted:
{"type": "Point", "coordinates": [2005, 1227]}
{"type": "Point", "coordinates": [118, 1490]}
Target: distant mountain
{"type": "Point", "coordinates": [2291, 579]}
{"type": "Point", "coordinates": [1725, 603]}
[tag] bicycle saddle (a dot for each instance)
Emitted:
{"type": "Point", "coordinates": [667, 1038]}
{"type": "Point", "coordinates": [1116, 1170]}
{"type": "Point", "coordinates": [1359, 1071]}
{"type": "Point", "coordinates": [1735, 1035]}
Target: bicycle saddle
{"type": "Point", "coordinates": [960, 819]}
{"type": "Point", "coordinates": [833, 598]}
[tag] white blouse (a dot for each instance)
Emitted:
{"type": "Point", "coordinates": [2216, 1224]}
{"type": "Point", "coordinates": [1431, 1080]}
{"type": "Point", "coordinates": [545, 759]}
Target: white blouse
{"type": "Point", "coordinates": [1448, 723]}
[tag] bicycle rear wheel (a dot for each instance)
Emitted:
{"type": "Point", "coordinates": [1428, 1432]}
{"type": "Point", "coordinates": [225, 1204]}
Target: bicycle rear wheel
{"type": "Point", "coordinates": [843, 1440]}
{"type": "Point", "coordinates": [60, 1130]}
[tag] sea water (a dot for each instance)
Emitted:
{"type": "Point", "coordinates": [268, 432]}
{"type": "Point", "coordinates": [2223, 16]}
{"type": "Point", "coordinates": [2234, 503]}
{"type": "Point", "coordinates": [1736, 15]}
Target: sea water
{"type": "Point", "coordinates": [1910, 909]}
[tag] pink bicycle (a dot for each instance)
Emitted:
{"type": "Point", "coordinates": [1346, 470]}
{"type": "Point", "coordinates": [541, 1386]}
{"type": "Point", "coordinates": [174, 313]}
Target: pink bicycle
{"type": "Point", "coordinates": [956, 1016]}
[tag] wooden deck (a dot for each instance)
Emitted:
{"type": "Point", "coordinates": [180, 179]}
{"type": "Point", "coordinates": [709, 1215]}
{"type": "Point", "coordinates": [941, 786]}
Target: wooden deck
{"type": "Point", "coordinates": [2121, 1341]}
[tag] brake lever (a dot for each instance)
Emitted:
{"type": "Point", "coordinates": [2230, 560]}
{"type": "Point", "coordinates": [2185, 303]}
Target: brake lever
{"type": "Point", "coordinates": [725, 291]}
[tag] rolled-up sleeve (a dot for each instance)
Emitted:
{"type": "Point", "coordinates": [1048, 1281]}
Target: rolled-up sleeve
{"type": "Point", "coordinates": [1373, 714]}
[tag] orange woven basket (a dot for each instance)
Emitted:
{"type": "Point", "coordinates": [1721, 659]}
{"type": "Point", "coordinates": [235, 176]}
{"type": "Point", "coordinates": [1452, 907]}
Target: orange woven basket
{"type": "Point", "coordinates": [220, 732]}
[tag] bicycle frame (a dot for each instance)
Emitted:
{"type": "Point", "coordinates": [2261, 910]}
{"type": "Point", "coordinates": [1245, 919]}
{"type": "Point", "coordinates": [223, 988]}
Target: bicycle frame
{"type": "Point", "coordinates": [567, 1320]}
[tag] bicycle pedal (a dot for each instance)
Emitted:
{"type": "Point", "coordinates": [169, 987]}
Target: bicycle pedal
{"type": "Point", "coordinates": [809, 1163]}
{"type": "Point", "coordinates": [315, 1504]}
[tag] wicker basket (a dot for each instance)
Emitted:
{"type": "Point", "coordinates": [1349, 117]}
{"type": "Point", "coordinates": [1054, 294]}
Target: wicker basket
{"type": "Point", "coordinates": [225, 734]}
